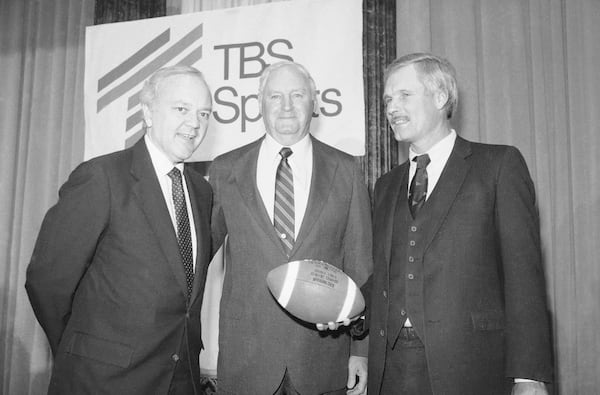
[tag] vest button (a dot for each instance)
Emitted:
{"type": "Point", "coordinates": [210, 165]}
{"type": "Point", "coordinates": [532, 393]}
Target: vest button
{"type": "Point", "coordinates": [411, 276]}
{"type": "Point", "coordinates": [412, 243]}
{"type": "Point", "coordinates": [402, 312]}
{"type": "Point", "coordinates": [413, 228]}
{"type": "Point", "coordinates": [411, 259]}
{"type": "Point", "coordinates": [175, 357]}
{"type": "Point", "coordinates": [384, 294]}
{"type": "Point", "coordinates": [382, 333]}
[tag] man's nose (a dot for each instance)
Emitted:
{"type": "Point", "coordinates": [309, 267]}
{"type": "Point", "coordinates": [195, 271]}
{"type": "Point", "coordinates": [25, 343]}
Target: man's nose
{"type": "Point", "coordinates": [287, 103]}
{"type": "Point", "coordinates": [391, 109]}
{"type": "Point", "coordinates": [193, 119]}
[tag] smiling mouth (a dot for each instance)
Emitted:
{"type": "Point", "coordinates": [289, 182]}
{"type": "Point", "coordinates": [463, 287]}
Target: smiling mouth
{"type": "Point", "coordinates": [187, 136]}
{"type": "Point", "coordinates": [399, 120]}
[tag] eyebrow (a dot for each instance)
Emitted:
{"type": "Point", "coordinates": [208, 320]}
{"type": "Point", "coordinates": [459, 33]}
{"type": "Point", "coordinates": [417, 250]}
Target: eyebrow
{"type": "Point", "coordinates": [402, 90]}
{"type": "Point", "coordinates": [183, 102]}
{"type": "Point", "coordinates": [303, 89]}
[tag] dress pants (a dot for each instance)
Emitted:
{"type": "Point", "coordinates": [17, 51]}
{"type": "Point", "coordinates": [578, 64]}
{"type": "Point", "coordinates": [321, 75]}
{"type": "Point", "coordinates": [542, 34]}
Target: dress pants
{"type": "Point", "coordinates": [405, 371]}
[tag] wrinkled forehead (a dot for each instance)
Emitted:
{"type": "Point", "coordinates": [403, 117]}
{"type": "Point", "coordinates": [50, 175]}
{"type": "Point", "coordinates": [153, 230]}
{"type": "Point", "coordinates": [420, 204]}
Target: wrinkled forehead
{"type": "Point", "coordinates": [404, 78]}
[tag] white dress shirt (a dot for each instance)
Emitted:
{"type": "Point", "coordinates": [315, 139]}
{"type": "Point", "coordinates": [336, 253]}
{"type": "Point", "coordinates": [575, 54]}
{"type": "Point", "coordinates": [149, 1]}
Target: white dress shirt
{"type": "Point", "coordinates": [301, 163]}
{"type": "Point", "coordinates": [438, 155]}
{"type": "Point", "coordinates": [162, 166]}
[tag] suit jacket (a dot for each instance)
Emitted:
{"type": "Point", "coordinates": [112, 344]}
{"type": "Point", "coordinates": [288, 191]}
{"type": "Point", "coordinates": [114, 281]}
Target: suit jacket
{"type": "Point", "coordinates": [482, 295]}
{"type": "Point", "coordinates": [107, 283]}
{"type": "Point", "coordinates": [258, 340]}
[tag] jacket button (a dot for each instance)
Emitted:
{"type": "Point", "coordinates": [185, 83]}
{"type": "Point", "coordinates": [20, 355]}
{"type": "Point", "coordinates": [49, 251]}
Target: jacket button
{"type": "Point", "coordinates": [411, 259]}
{"type": "Point", "coordinates": [413, 228]}
{"type": "Point", "coordinates": [403, 312]}
{"type": "Point", "coordinates": [382, 332]}
{"type": "Point", "coordinates": [384, 294]}
{"type": "Point", "coordinates": [412, 243]}
{"type": "Point", "coordinates": [175, 357]}
{"type": "Point", "coordinates": [411, 276]}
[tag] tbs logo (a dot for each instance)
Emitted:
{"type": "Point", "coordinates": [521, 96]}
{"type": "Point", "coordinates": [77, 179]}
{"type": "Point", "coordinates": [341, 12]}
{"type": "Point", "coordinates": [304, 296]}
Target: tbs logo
{"type": "Point", "coordinates": [247, 60]}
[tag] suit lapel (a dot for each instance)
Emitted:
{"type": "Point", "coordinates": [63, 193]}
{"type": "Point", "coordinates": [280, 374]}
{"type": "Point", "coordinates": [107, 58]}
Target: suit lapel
{"type": "Point", "coordinates": [197, 195]}
{"type": "Point", "coordinates": [322, 180]}
{"type": "Point", "coordinates": [147, 191]}
{"type": "Point", "coordinates": [245, 178]}
{"type": "Point", "coordinates": [323, 175]}
{"type": "Point", "coordinates": [395, 194]}
{"type": "Point", "coordinates": [448, 186]}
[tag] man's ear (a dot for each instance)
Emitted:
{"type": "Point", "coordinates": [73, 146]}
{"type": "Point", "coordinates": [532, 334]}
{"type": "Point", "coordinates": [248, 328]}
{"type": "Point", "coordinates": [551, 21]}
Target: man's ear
{"type": "Point", "coordinates": [441, 98]}
{"type": "Point", "coordinates": [260, 105]}
{"type": "Point", "coordinates": [147, 115]}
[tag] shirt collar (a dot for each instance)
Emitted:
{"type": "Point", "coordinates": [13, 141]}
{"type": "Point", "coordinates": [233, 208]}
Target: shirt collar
{"type": "Point", "coordinates": [440, 150]}
{"type": "Point", "coordinates": [162, 164]}
{"type": "Point", "coordinates": [299, 150]}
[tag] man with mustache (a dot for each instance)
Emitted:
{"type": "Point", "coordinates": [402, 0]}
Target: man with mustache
{"type": "Point", "coordinates": [457, 297]}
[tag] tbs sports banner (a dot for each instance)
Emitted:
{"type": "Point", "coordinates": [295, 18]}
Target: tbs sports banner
{"type": "Point", "coordinates": [231, 47]}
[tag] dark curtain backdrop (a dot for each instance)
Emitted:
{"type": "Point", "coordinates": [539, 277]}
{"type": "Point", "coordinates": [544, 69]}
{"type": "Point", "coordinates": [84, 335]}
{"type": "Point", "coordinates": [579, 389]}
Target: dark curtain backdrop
{"type": "Point", "coordinates": [107, 11]}
{"type": "Point", "coordinates": [379, 49]}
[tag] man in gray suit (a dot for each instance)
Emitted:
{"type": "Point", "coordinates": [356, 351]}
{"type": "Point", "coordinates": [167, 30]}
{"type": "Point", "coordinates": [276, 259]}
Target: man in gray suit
{"type": "Point", "coordinates": [262, 348]}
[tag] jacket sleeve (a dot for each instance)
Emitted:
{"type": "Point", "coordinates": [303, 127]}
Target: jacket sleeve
{"type": "Point", "coordinates": [218, 224]}
{"type": "Point", "coordinates": [360, 328]}
{"type": "Point", "coordinates": [528, 346]}
{"type": "Point", "coordinates": [69, 234]}
{"type": "Point", "coordinates": [358, 260]}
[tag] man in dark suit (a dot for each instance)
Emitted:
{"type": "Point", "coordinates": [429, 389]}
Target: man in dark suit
{"type": "Point", "coordinates": [262, 348]}
{"type": "Point", "coordinates": [457, 304]}
{"type": "Point", "coordinates": [117, 275]}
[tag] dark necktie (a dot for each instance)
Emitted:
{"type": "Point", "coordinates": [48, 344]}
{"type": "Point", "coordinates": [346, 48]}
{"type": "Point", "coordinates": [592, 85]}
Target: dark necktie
{"type": "Point", "coordinates": [184, 236]}
{"type": "Point", "coordinates": [418, 185]}
{"type": "Point", "coordinates": [283, 214]}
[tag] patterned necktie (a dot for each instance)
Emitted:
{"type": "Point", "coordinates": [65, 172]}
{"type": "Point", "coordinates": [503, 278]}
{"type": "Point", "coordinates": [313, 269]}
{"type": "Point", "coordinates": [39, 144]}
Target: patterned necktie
{"type": "Point", "coordinates": [418, 185]}
{"type": "Point", "coordinates": [283, 214]}
{"type": "Point", "coordinates": [184, 236]}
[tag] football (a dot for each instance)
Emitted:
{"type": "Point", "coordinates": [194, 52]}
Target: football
{"type": "Point", "coordinates": [315, 291]}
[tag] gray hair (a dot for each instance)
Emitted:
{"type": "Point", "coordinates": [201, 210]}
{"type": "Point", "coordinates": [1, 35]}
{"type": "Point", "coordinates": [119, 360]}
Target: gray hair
{"type": "Point", "coordinates": [267, 72]}
{"type": "Point", "coordinates": [151, 85]}
{"type": "Point", "coordinates": [436, 73]}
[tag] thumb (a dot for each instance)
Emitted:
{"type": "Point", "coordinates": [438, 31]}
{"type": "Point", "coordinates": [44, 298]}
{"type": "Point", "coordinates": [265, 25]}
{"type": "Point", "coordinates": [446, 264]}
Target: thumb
{"type": "Point", "coordinates": [351, 380]}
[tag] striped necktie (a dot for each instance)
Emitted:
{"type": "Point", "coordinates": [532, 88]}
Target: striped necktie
{"type": "Point", "coordinates": [283, 214]}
